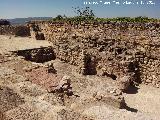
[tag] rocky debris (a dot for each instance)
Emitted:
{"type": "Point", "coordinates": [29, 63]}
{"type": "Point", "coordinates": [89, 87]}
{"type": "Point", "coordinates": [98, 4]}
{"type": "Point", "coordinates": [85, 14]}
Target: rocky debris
{"type": "Point", "coordinates": [28, 69]}
{"type": "Point", "coordinates": [63, 91]}
{"type": "Point", "coordinates": [98, 91]}
{"type": "Point", "coordinates": [39, 36]}
{"type": "Point", "coordinates": [3, 59]}
{"type": "Point", "coordinates": [92, 90]}
{"type": "Point", "coordinates": [63, 87]}
{"type": "Point", "coordinates": [9, 99]}
{"type": "Point", "coordinates": [113, 99]}
{"type": "Point", "coordinates": [12, 79]}
{"type": "Point", "coordinates": [6, 57]}
{"type": "Point", "coordinates": [38, 55]}
{"type": "Point", "coordinates": [33, 66]}
{"type": "Point", "coordinates": [51, 68]}
{"type": "Point", "coordinates": [124, 82]}
{"type": "Point", "coordinates": [53, 99]}
{"type": "Point", "coordinates": [72, 115]}
{"type": "Point", "coordinates": [29, 89]}
{"type": "Point", "coordinates": [36, 32]}
{"type": "Point", "coordinates": [109, 95]}
{"type": "Point", "coordinates": [51, 116]}
{"type": "Point", "coordinates": [9, 75]}
{"type": "Point", "coordinates": [48, 65]}
{"type": "Point", "coordinates": [5, 72]}
{"type": "Point", "coordinates": [108, 72]}
{"type": "Point", "coordinates": [24, 112]}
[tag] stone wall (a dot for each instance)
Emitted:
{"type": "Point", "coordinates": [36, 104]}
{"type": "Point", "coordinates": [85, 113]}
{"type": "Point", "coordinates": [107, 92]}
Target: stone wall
{"type": "Point", "coordinates": [36, 32]}
{"type": "Point", "coordinates": [22, 31]}
{"type": "Point", "coordinates": [110, 49]}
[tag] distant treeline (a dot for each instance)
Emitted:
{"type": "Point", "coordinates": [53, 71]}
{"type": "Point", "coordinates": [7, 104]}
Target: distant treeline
{"type": "Point", "coordinates": [140, 19]}
{"type": "Point", "coordinates": [86, 14]}
{"type": "Point", "coordinates": [129, 19]}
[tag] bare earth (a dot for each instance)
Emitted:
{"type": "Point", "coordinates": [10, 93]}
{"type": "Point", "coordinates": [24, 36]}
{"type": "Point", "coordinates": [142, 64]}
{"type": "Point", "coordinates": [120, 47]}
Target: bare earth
{"type": "Point", "coordinates": [11, 43]}
{"type": "Point", "coordinates": [146, 100]}
{"type": "Point", "coordinates": [23, 99]}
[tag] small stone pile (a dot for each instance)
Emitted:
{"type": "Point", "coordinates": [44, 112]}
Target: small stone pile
{"type": "Point", "coordinates": [36, 32]}
{"type": "Point", "coordinates": [63, 87]}
{"type": "Point", "coordinates": [124, 82]}
{"type": "Point", "coordinates": [51, 68]}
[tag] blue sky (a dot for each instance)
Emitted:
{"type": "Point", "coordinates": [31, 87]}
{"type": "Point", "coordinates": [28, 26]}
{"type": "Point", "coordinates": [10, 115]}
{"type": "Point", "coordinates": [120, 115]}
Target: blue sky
{"type": "Point", "coordinates": [52, 8]}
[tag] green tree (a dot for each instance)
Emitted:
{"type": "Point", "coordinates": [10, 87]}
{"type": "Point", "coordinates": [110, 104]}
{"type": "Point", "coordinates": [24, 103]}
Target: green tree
{"type": "Point", "coordinates": [59, 17]}
{"type": "Point", "coordinates": [84, 14]}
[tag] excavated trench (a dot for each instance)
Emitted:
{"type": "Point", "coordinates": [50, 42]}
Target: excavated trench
{"type": "Point", "coordinates": [45, 54]}
{"type": "Point", "coordinates": [38, 55]}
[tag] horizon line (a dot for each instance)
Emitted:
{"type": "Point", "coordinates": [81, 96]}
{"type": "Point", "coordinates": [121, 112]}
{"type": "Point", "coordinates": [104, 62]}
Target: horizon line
{"type": "Point", "coordinates": [75, 16]}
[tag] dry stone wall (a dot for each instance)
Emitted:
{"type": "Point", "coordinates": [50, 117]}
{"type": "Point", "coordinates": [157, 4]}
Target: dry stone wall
{"type": "Point", "coordinates": [22, 31]}
{"type": "Point", "coordinates": [110, 49]}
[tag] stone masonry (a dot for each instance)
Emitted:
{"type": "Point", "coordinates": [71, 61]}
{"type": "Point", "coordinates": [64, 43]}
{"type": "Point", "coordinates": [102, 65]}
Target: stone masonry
{"type": "Point", "coordinates": [110, 49]}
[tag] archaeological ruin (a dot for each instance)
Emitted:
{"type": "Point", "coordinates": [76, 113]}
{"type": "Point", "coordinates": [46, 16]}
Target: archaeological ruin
{"type": "Point", "coordinates": [107, 49]}
{"type": "Point", "coordinates": [83, 65]}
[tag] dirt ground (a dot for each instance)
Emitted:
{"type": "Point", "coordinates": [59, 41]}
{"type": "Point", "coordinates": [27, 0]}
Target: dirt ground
{"type": "Point", "coordinates": [23, 96]}
{"type": "Point", "coordinates": [145, 99]}
{"type": "Point", "coordinates": [11, 43]}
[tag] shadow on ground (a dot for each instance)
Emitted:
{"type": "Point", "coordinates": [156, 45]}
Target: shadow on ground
{"type": "Point", "coordinates": [132, 90]}
{"type": "Point", "coordinates": [130, 109]}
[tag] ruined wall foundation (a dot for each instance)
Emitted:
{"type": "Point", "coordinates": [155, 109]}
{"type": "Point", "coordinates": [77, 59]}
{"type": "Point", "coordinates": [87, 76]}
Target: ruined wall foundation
{"type": "Point", "coordinates": [22, 31]}
{"type": "Point", "coordinates": [109, 49]}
